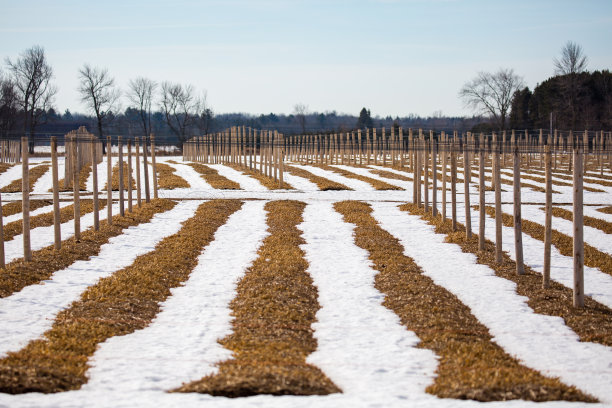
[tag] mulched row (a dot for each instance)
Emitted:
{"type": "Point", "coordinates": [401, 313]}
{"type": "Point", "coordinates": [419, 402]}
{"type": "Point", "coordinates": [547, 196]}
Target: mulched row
{"type": "Point", "coordinates": [471, 365]}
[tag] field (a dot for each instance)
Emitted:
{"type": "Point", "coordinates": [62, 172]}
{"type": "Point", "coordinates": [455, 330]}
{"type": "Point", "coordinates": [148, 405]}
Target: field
{"type": "Point", "coordinates": [335, 290]}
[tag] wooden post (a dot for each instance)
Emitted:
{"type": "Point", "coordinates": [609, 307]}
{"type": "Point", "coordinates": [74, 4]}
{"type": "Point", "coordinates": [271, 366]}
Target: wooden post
{"type": "Point", "coordinates": [518, 233]}
{"type": "Point", "coordinates": [109, 184]}
{"type": "Point", "coordinates": [2, 257]}
{"type": "Point", "coordinates": [578, 229]}
{"type": "Point", "coordinates": [498, 208]}
{"type": "Point", "coordinates": [154, 166]}
{"type": "Point", "coordinates": [75, 189]}
{"type": "Point", "coordinates": [121, 186]}
{"type": "Point", "coordinates": [481, 202]}
{"type": "Point", "coordinates": [129, 165]}
{"type": "Point", "coordinates": [454, 187]}
{"type": "Point", "coordinates": [94, 173]}
{"type": "Point", "coordinates": [137, 164]}
{"type": "Point", "coordinates": [466, 190]}
{"type": "Point", "coordinates": [548, 217]}
{"type": "Point", "coordinates": [25, 199]}
{"type": "Point", "coordinates": [434, 195]}
{"type": "Point", "coordinates": [56, 210]}
{"type": "Point", "coordinates": [146, 169]}
{"type": "Point", "coordinates": [426, 184]}
{"type": "Point", "coordinates": [444, 156]}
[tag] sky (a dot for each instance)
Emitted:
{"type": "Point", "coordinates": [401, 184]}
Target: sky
{"type": "Point", "coordinates": [394, 57]}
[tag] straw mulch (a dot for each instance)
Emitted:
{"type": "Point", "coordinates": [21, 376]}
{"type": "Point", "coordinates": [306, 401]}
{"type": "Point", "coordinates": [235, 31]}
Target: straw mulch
{"type": "Point", "coordinates": [560, 183]}
{"type": "Point", "coordinates": [390, 175]}
{"type": "Point", "coordinates": [377, 184]}
{"type": "Point", "coordinates": [83, 176]}
{"type": "Point", "coordinates": [212, 177]}
{"type": "Point", "coordinates": [592, 222]}
{"type": "Point", "coordinates": [471, 365]}
{"type": "Point", "coordinates": [593, 323]}
{"type": "Point", "coordinates": [35, 173]}
{"type": "Point", "coordinates": [274, 309]}
{"type": "Point", "coordinates": [322, 183]}
{"type": "Point", "coordinates": [5, 166]}
{"type": "Point", "coordinates": [166, 178]}
{"type": "Point", "coordinates": [118, 305]}
{"type": "Point", "coordinates": [605, 210]}
{"type": "Point", "coordinates": [564, 243]}
{"type": "Point", "coordinates": [115, 178]}
{"type": "Point", "coordinates": [599, 179]}
{"type": "Point", "coordinates": [15, 207]}
{"type": "Point", "coordinates": [19, 274]}
{"type": "Point", "coordinates": [44, 220]}
{"type": "Point", "coordinates": [266, 181]}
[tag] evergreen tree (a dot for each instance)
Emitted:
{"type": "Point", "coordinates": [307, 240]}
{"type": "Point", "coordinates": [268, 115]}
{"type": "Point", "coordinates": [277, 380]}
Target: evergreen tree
{"type": "Point", "coordinates": [365, 119]}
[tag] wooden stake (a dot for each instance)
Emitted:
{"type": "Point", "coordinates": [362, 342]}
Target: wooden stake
{"type": "Point", "coordinates": [466, 190]}
{"type": "Point", "coordinates": [454, 187]}
{"type": "Point", "coordinates": [109, 184]}
{"type": "Point", "coordinates": [129, 165]}
{"type": "Point", "coordinates": [481, 203]}
{"type": "Point", "coordinates": [548, 217]}
{"type": "Point", "coordinates": [498, 208]}
{"type": "Point", "coordinates": [434, 194]}
{"type": "Point", "coordinates": [94, 172]}
{"type": "Point", "coordinates": [76, 190]}
{"type": "Point", "coordinates": [121, 185]}
{"type": "Point", "coordinates": [56, 209]}
{"type": "Point", "coordinates": [25, 200]}
{"type": "Point", "coordinates": [154, 165]}
{"type": "Point", "coordinates": [578, 229]}
{"type": "Point", "coordinates": [137, 164]}
{"type": "Point", "coordinates": [518, 234]}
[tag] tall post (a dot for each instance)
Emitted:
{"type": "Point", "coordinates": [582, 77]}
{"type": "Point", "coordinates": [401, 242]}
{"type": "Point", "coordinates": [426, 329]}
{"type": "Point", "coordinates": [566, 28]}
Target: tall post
{"type": "Point", "coordinates": [25, 200]}
{"type": "Point", "coordinates": [146, 169]}
{"type": "Point", "coordinates": [75, 189]}
{"type": "Point", "coordinates": [548, 217]}
{"type": "Point", "coordinates": [498, 208]}
{"type": "Point", "coordinates": [109, 182]}
{"type": "Point", "coordinates": [121, 186]}
{"type": "Point", "coordinates": [94, 173]}
{"type": "Point", "coordinates": [466, 189]}
{"type": "Point", "coordinates": [2, 257]}
{"type": "Point", "coordinates": [578, 221]}
{"type": "Point", "coordinates": [434, 166]}
{"type": "Point", "coordinates": [129, 166]}
{"type": "Point", "coordinates": [518, 234]}
{"type": "Point", "coordinates": [154, 166]}
{"type": "Point", "coordinates": [57, 234]}
{"type": "Point", "coordinates": [137, 164]}
{"type": "Point", "coordinates": [454, 187]}
{"type": "Point", "coordinates": [481, 194]}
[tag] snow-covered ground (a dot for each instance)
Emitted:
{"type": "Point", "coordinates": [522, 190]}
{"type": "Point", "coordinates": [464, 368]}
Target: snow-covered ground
{"type": "Point", "coordinates": [362, 347]}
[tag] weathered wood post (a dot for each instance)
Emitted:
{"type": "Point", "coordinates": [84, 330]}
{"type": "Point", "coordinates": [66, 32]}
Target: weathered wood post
{"type": "Point", "coordinates": [466, 189]}
{"type": "Point", "coordinates": [109, 182]}
{"type": "Point", "coordinates": [498, 208]}
{"type": "Point", "coordinates": [129, 170]}
{"type": "Point", "coordinates": [121, 185]}
{"type": "Point", "coordinates": [137, 164]}
{"type": "Point", "coordinates": [434, 196]}
{"type": "Point", "coordinates": [154, 166]}
{"type": "Point", "coordinates": [56, 209]}
{"type": "Point", "coordinates": [454, 186]}
{"type": "Point", "coordinates": [2, 257]}
{"type": "Point", "coordinates": [578, 220]}
{"type": "Point", "coordinates": [146, 169]}
{"type": "Point", "coordinates": [426, 174]}
{"type": "Point", "coordinates": [94, 173]}
{"type": "Point", "coordinates": [25, 199]}
{"type": "Point", "coordinates": [518, 233]}
{"type": "Point", "coordinates": [481, 195]}
{"type": "Point", "coordinates": [444, 157]}
{"type": "Point", "coordinates": [75, 189]}
{"type": "Point", "coordinates": [548, 217]}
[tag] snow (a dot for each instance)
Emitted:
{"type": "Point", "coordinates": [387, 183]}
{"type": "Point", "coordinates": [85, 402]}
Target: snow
{"type": "Point", "coordinates": [356, 185]}
{"type": "Point", "coordinates": [353, 354]}
{"type": "Point", "coordinates": [246, 183]}
{"type": "Point", "coordinates": [540, 342]}
{"type": "Point", "coordinates": [180, 345]}
{"type": "Point", "coordinates": [42, 210]}
{"type": "Point", "coordinates": [27, 314]}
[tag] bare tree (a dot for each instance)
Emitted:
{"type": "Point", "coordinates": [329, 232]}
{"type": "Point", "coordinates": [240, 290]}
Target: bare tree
{"type": "Point", "coordinates": [31, 76]}
{"type": "Point", "coordinates": [300, 111]}
{"type": "Point", "coordinates": [8, 105]}
{"type": "Point", "coordinates": [572, 60]}
{"type": "Point", "coordinates": [141, 93]}
{"type": "Point", "coordinates": [180, 106]}
{"type": "Point", "coordinates": [571, 63]}
{"type": "Point", "coordinates": [491, 93]}
{"type": "Point", "coordinates": [98, 92]}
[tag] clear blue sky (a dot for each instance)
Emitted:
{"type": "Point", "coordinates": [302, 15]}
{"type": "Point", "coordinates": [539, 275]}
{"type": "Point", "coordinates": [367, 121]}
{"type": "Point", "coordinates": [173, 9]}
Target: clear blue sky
{"type": "Point", "coordinates": [395, 57]}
